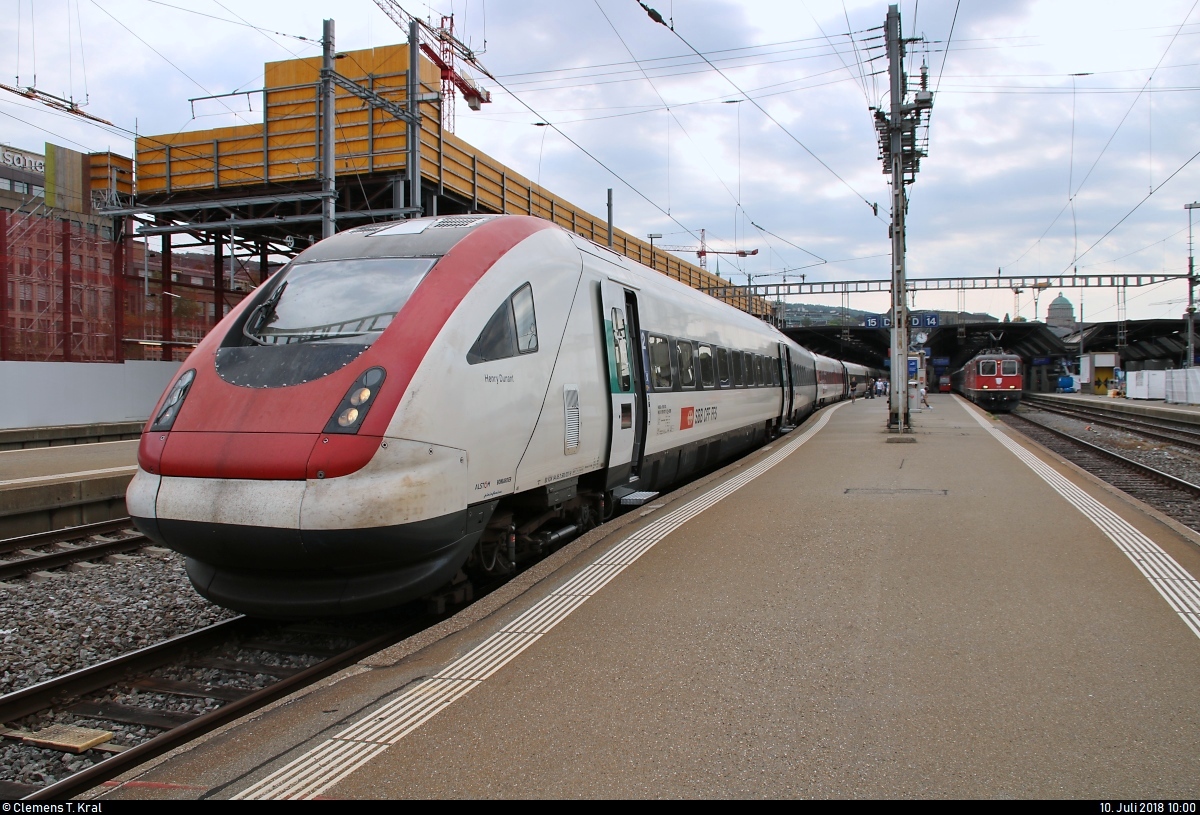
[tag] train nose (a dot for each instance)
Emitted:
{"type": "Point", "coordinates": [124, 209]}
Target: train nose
{"type": "Point", "coordinates": [385, 533]}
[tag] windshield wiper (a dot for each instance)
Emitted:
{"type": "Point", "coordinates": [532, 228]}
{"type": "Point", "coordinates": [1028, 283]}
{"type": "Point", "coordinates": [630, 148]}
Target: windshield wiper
{"type": "Point", "coordinates": [263, 315]}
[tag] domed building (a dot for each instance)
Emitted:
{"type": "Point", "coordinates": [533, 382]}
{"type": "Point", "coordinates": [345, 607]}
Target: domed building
{"type": "Point", "coordinates": [1060, 314]}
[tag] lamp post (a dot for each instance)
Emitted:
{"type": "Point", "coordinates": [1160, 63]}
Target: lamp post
{"type": "Point", "coordinates": [653, 236]}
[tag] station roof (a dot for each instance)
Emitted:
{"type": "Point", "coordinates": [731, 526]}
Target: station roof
{"type": "Point", "coordinates": [1144, 339]}
{"type": "Point", "coordinates": [869, 346]}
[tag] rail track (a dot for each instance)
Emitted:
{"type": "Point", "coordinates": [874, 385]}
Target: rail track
{"type": "Point", "coordinates": [43, 551]}
{"type": "Point", "coordinates": [232, 667]}
{"type": "Point", "coordinates": [1174, 497]}
{"type": "Point", "coordinates": [1181, 433]}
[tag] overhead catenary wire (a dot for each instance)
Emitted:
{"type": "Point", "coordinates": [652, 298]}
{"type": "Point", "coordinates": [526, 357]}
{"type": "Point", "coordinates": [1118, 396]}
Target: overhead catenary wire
{"type": "Point", "coordinates": [165, 59]}
{"type": "Point", "coordinates": [658, 18]}
{"type": "Point", "coordinates": [736, 197]}
{"type": "Point", "coordinates": [82, 55]}
{"type": "Point", "coordinates": [1073, 194]}
{"type": "Point", "coordinates": [861, 78]}
{"type": "Point", "coordinates": [1147, 197]}
{"type": "Point", "coordinates": [594, 158]}
{"type": "Point", "coordinates": [240, 21]}
{"type": "Point", "coordinates": [1149, 79]}
{"type": "Point", "coordinates": [687, 59]}
{"type": "Point", "coordinates": [642, 109]}
{"type": "Point", "coordinates": [592, 80]}
{"type": "Point", "coordinates": [127, 133]}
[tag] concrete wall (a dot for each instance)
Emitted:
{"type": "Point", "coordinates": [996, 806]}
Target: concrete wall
{"type": "Point", "coordinates": [44, 394]}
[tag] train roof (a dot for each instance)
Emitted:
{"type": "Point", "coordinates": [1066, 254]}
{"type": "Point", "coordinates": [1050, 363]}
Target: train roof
{"type": "Point", "coordinates": [418, 237]}
{"type": "Point", "coordinates": [996, 353]}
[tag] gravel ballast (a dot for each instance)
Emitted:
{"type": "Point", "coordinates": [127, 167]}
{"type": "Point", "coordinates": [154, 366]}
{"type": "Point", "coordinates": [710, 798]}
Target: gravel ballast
{"type": "Point", "coordinates": [70, 620]}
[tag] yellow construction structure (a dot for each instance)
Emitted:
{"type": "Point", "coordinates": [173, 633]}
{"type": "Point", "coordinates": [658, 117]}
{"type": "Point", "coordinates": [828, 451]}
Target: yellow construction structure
{"type": "Point", "coordinates": [284, 149]}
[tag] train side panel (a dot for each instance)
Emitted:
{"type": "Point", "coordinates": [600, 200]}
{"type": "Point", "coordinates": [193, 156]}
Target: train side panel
{"type": "Point", "coordinates": [571, 435]}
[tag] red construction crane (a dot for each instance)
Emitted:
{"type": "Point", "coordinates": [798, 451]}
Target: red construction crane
{"type": "Point", "coordinates": [448, 49]}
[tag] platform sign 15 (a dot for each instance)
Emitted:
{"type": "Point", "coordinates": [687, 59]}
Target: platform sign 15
{"type": "Point", "coordinates": [878, 321]}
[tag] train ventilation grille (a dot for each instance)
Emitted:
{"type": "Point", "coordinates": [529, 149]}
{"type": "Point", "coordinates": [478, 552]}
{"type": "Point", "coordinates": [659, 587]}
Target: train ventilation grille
{"type": "Point", "coordinates": [458, 222]}
{"type": "Point", "coordinates": [571, 413]}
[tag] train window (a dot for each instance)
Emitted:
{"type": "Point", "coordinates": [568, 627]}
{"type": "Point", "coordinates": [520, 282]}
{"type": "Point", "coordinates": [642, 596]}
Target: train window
{"type": "Point", "coordinates": [624, 372]}
{"type": "Point", "coordinates": [334, 301]}
{"type": "Point", "coordinates": [987, 367]}
{"type": "Point", "coordinates": [660, 362]}
{"type": "Point", "coordinates": [511, 330]}
{"type": "Point", "coordinates": [1008, 367]}
{"type": "Point", "coordinates": [723, 367]}
{"type": "Point", "coordinates": [706, 366]}
{"type": "Point", "coordinates": [737, 369]}
{"type": "Point", "coordinates": [522, 302]}
{"type": "Point", "coordinates": [758, 370]}
{"type": "Point", "coordinates": [687, 365]}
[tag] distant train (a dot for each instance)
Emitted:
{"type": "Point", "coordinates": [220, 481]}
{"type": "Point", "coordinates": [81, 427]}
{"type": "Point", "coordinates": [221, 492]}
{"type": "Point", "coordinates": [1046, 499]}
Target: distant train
{"type": "Point", "coordinates": [412, 403]}
{"type": "Point", "coordinates": [992, 379]}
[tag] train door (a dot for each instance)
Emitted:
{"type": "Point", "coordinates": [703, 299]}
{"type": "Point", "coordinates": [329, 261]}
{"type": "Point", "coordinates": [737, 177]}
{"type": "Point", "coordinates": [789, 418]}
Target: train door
{"type": "Point", "coordinates": [785, 368]}
{"type": "Point", "coordinates": [627, 413]}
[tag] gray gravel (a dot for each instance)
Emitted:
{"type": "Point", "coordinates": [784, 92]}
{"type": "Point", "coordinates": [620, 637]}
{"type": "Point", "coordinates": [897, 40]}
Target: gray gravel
{"type": "Point", "coordinates": [53, 626]}
{"type": "Point", "coordinates": [1175, 460]}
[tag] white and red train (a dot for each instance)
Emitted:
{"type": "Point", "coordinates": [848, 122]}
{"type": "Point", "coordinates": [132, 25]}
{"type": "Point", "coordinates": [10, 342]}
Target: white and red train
{"type": "Point", "coordinates": [407, 400]}
{"type": "Point", "coordinates": [991, 379]}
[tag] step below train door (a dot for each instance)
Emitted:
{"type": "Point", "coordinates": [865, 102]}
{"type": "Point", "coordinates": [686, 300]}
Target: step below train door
{"type": "Point", "coordinates": [627, 429]}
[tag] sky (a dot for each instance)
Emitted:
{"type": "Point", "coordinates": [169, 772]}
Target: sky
{"type": "Point", "coordinates": [1063, 135]}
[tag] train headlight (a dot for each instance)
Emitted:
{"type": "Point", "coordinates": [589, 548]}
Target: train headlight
{"type": "Point", "coordinates": [352, 410]}
{"type": "Point", "coordinates": [174, 401]}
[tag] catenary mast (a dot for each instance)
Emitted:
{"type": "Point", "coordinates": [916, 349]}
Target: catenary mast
{"type": "Point", "coordinates": [901, 153]}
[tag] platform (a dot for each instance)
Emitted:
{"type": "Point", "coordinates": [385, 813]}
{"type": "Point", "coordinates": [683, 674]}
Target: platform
{"type": "Point", "coordinates": [1135, 407]}
{"type": "Point", "coordinates": [832, 617]}
{"type": "Point", "coordinates": [47, 488]}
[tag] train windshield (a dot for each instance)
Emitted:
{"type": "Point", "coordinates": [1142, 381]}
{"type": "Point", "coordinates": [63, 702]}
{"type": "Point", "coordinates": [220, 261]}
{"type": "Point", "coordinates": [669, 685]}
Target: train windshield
{"type": "Point", "coordinates": [1008, 367]}
{"type": "Point", "coordinates": [987, 367]}
{"type": "Point", "coordinates": [336, 301]}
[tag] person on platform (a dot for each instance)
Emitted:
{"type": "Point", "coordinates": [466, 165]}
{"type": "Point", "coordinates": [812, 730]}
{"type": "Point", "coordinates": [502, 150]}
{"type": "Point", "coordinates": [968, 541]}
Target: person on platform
{"type": "Point", "coordinates": [924, 401]}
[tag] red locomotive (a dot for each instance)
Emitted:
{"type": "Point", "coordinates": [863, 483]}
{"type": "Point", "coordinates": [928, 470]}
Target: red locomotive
{"type": "Point", "coordinates": [992, 379]}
